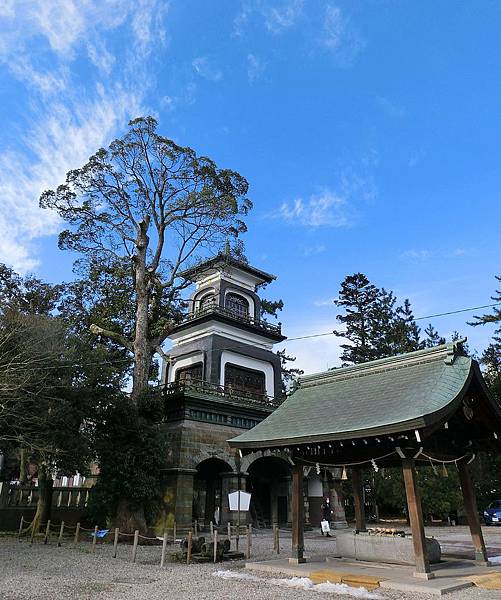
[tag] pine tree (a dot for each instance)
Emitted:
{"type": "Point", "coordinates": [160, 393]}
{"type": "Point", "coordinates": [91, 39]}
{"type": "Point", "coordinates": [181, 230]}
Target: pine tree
{"type": "Point", "coordinates": [433, 338]}
{"type": "Point", "coordinates": [358, 297]}
{"type": "Point", "coordinates": [375, 325]}
{"type": "Point", "coordinates": [491, 358]}
{"type": "Point", "coordinates": [407, 332]}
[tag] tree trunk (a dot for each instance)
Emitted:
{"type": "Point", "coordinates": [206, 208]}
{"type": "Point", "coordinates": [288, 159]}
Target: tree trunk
{"type": "Point", "coordinates": [128, 519]}
{"type": "Point", "coordinates": [142, 350]}
{"type": "Point", "coordinates": [44, 504]}
{"type": "Point", "coordinates": [23, 464]}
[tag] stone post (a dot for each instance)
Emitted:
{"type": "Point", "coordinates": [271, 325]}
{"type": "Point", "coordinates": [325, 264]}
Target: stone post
{"type": "Point", "coordinates": [178, 497]}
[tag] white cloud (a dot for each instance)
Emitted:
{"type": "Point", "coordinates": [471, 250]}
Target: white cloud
{"type": "Point", "coordinates": [63, 23]}
{"type": "Point", "coordinates": [323, 210]}
{"type": "Point", "coordinates": [64, 125]}
{"type": "Point", "coordinates": [324, 302]}
{"type": "Point", "coordinates": [282, 15]}
{"type": "Point", "coordinates": [340, 37]}
{"type": "Point", "coordinates": [422, 254]}
{"type": "Point", "coordinates": [58, 142]}
{"type": "Point", "coordinates": [276, 16]}
{"type": "Point", "coordinates": [100, 56]}
{"type": "Point", "coordinates": [255, 67]}
{"type": "Point", "coordinates": [313, 249]}
{"type": "Point", "coordinates": [204, 67]}
{"type": "Point", "coordinates": [425, 253]}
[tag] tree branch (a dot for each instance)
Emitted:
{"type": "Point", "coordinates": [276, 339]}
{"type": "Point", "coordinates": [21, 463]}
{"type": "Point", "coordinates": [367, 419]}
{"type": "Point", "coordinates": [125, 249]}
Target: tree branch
{"type": "Point", "coordinates": [112, 335]}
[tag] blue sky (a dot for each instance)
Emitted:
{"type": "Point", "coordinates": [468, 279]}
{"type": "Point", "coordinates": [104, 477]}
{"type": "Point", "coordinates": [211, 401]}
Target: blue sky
{"type": "Point", "coordinates": [369, 133]}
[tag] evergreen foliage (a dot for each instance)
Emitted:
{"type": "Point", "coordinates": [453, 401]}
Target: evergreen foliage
{"type": "Point", "coordinates": [375, 325]}
{"type": "Point", "coordinates": [140, 213]}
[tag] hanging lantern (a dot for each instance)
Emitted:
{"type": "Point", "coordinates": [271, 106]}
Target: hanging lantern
{"type": "Point", "coordinates": [344, 475]}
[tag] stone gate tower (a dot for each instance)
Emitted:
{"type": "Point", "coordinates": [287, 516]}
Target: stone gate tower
{"type": "Point", "coordinates": [222, 376]}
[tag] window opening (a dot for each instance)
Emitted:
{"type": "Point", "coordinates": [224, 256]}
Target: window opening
{"type": "Point", "coordinates": [191, 373]}
{"type": "Point", "coordinates": [245, 380]}
{"type": "Point", "coordinates": [237, 304]}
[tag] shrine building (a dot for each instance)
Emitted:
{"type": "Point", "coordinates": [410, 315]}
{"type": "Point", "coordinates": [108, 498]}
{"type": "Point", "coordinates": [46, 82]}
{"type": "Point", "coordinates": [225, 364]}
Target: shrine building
{"type": "Point", "coordinates": [430, 407]}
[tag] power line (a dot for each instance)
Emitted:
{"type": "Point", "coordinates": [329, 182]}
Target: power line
{"type": "Point", "coordinates": [455, 312]}
{"type": "Point", "coordinates": [451, 312]}
{"type": "Point", "coordinates": [303, 337]}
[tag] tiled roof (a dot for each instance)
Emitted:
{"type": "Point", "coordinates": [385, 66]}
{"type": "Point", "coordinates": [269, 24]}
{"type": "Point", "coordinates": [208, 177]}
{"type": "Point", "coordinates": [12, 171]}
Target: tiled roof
{"type": "Point", "coordinates": [221, 260]}
{"type": "Point", "coordinates": [383, 396]}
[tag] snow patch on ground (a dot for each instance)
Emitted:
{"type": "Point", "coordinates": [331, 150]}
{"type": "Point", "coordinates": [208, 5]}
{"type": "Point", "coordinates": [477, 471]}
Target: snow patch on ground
{"type": "Point", "coordinates": [303, 583]}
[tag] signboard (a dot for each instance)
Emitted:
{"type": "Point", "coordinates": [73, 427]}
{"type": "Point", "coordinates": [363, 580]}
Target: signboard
{"type": "Point", "coordinates": [245, 499]}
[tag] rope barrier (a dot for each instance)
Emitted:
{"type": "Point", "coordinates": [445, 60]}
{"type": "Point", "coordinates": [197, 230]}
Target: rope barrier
{"type": "Point", "coordinates": [346, 464]}
{"type": "Point", "coordinates": [448, 462]}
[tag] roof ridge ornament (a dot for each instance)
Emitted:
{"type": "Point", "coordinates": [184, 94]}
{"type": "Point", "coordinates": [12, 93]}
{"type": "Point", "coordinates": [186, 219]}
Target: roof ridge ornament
{"type": "Point", "coordinates": [455, 349]}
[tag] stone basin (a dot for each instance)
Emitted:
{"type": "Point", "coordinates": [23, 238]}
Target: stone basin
{"type": "Point", "coordinates": [383, 548]}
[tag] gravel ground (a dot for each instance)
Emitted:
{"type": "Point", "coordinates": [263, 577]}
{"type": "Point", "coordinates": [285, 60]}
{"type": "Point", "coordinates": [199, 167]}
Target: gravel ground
{"type": "Point", "coordinates": [47, 572]}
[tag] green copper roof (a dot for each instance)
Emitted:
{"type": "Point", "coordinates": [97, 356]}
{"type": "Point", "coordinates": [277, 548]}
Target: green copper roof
{"type": "Point", "coordinates": [383, 396]}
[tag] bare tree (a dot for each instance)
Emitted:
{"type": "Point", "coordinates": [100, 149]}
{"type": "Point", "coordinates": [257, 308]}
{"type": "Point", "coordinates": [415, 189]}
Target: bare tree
{"type": "Point", "coordinates": [160, 205]}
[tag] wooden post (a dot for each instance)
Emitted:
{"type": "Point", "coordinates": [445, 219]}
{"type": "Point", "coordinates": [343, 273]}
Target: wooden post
{"type": "Point", "coordinates": [229, 531]}
{"type": "Point", "coordinates": [77, 531]}
{"type": "Point", "coordinates": [164, 548]}
{"type": "Point", "coordinates": [416, 518]}
{"type": "Point", "coordinates": [47, 532]}
{"type": "Point", "coordinates": [20, 528]}
{"type": "Point", "coordinates": [215, 546]}
{"type": "Point", "coordinates": [196, 528]}
{"type": "Point", "coordinates": [249, 542]}
{"type": "Point", "coordinates": [274, 538]}
{"type": "Point", "coordinates": [32, 535]}
{"type": "Point", "coordinates": [115, 542]}
{"type": "Point", "coordinates": [174, 533]}
{"type": "Point", "coordinates": [470, 505]}
{"type": "Point", "coordinates": [188, 553]}
{"type": "Point", "coordinates": [61, 531]}
{"type": "Point", "coordinates": [134, 545]}
{"type": "Point", "coordinates": [237, 540]}
{"type": "Point", "coordinates": [278, 539]}
{"type": "Point", "coordinates": [358, 499]}
{"type": "Point", "coordinates": [297, 515]}
{"type": "Point", "coordinates": [211, 530]}
{"type": "Point", "coordinates": [94, 539]}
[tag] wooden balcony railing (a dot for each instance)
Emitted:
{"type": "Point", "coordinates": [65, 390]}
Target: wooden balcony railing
{"type": "Point", "coordinates": [214, 309]}
{"type": "Point", "coordinates": [227, 392]}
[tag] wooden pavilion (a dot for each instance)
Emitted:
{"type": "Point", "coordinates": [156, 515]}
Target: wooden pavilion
{"type": "Point", "coordinates": [426, 407]}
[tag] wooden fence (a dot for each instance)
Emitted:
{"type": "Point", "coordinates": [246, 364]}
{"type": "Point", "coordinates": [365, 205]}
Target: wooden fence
{"type": "Point", "coordinates": [25, 496]}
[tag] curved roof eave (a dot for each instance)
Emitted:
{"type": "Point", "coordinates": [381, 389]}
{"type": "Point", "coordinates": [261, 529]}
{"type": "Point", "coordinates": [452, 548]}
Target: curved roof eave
{"type": "Point", "coordinates": [423, 421]}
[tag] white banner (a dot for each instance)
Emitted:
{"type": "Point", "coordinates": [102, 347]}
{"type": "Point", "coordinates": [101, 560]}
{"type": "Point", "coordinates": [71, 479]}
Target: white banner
{"type": "Point", "coordinates": [245, 499]}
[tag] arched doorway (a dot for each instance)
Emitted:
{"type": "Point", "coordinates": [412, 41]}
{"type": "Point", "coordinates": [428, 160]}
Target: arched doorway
{"type": "Point", "coordinates": [208, 492]}
{"type": "Point", "coordinates": [269, 483]}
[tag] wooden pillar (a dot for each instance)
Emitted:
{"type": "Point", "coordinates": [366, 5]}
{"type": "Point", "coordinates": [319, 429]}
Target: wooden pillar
{"type": "Point", "coordinates": [358, 499]}
{"type": "Point", "coordinates": [416, 518]}
{"type": "Point", "coordinates": [297, 515]}
{"type": "Point", "coordinates": [470, 505]}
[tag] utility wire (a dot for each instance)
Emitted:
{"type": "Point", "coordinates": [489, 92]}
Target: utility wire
{"type": "Point", "coordinates": [451, 312]}
{"type": "Point", "coordinates": [303, 337]}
